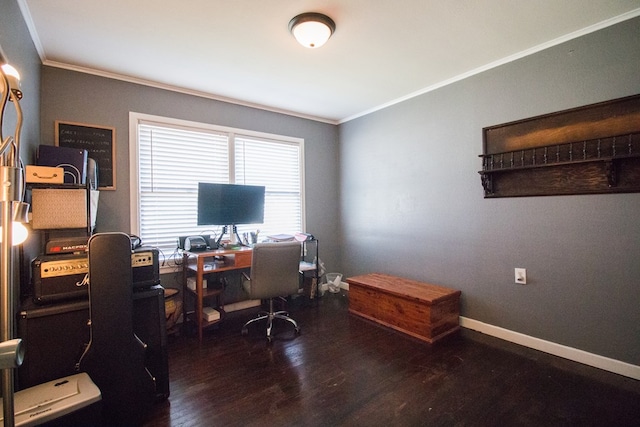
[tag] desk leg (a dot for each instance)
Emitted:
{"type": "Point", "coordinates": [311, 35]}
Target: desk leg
{"type": "Point", "coordinates": [185, 291]}
{"type": "Point", "coordinates": [199, 296]}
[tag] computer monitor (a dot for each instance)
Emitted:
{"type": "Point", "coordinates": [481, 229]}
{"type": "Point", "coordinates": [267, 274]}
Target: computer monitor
{"type": "Point", "coordinates": [230, 204]}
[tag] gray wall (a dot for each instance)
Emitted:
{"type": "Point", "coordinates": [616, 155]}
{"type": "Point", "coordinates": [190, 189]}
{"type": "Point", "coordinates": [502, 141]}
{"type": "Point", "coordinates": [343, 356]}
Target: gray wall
{"type": "Point", "coordinates": [412, 202]}
{"type": "Point", "coordinates": [78, 97]}
{"type": "Point", "coordinates": [17, 47]}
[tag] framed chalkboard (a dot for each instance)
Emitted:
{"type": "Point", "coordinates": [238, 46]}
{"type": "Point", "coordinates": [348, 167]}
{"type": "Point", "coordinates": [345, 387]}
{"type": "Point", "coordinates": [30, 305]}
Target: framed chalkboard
{"type": "Point", "coordinates": [99, 141]}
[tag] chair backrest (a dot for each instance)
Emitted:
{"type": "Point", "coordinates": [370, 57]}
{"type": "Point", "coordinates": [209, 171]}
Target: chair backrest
{"type": "Point", "coordinates": [275, 270]}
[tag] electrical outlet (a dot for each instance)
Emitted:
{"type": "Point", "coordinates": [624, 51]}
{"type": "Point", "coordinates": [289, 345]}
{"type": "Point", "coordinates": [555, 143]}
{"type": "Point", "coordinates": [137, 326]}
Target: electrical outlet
{"type": "Point", "coordinates": [521, 276]}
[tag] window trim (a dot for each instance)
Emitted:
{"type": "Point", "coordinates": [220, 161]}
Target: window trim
{"type": "Point", "coordinates": [134, 183]}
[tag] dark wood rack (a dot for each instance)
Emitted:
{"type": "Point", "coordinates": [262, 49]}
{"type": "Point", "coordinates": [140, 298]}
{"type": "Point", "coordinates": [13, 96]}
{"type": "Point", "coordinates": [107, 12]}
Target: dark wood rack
{"type": "Point", "coordinates": [542, 155]}
{"type": "Point", "coordinates": [611, 152]}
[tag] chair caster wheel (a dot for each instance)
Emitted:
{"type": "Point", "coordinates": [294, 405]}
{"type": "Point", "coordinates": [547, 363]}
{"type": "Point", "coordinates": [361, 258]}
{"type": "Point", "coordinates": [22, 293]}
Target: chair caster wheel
{"type": "Point", "coordinates": [269, 339]}
{"type": "Point", "coordinates": [244, 331]}
{"type": "Point", "coordinates": [297, 331]}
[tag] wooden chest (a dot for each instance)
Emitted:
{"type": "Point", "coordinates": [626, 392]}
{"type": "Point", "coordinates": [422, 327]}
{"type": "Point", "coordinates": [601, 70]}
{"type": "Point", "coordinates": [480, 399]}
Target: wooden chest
{"type": "Point", "coordinates": [422, 310]}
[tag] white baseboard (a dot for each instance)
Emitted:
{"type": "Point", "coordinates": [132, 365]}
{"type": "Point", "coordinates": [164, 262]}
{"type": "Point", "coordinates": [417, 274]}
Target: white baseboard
{"type": "Point", "coordinates": [601, 362]}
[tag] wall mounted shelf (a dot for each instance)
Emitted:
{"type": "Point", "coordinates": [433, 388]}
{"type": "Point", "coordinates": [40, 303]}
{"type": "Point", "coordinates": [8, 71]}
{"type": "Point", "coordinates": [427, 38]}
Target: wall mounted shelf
{"type": "Point", "coordinates": [587, 150]}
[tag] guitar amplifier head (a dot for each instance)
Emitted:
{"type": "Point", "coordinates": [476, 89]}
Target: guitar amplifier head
{"type": "Point", "coordinates": [59, 278]}
{"type": "Point", "coordinates": [145, 265]}
{"type": "Point", "coordinates": [67, 245]}
{"type": "Point", "coordinates": [64, 276]}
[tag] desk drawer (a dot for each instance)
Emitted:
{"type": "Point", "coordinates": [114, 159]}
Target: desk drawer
{"type": "Point", "coordinates": [243, 259]}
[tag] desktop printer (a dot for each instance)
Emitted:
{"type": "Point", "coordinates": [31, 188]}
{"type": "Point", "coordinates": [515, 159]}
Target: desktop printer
{"type": "Point", "coordinates": [195, 243]}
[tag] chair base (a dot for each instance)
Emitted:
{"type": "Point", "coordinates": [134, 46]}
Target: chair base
{"type": "Point", "coordinates": [269, 316]}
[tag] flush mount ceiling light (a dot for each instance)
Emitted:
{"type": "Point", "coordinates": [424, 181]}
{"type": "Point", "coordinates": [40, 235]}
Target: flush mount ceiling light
{"type": "Point", "coordinates": [312, 29]}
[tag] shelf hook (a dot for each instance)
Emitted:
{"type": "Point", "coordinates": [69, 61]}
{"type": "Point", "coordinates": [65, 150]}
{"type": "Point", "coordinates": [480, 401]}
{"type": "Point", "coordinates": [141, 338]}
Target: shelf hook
{"type": "Point", "coordinates": [612, 178]}
{"type": "Point", "coordinates": [487, 184]}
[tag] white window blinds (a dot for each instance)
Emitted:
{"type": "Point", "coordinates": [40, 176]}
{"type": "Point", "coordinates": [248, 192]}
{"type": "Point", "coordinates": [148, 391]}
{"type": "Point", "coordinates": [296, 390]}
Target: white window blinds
{"type": "Point", "coordinates": [172, 159]}
{"type": "Point", "coordinates": [275, 165]}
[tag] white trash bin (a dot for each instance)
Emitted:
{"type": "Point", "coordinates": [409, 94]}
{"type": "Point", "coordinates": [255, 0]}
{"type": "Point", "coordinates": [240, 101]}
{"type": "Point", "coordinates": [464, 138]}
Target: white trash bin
{"type": "Point", "coordinates": [333, 282]}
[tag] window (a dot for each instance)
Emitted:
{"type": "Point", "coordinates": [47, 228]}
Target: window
{"type": "Point", "coordinates": [169, 157]}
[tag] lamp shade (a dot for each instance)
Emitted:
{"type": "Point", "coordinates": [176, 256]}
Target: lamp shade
{"type": "Point", "coordinates": [13, 79]}
{"type": "Point", "coordinates": [11, 353]}
{"type": "Point", "coordinates": [311, 29]}
{"type": "Point", "coordinates": [20, 218]}
{"type": "Point", "coordinates": [19, 233]}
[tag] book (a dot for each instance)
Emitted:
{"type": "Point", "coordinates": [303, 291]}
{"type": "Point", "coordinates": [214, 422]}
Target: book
{"type": "Point", "coordinates": [210, 314]}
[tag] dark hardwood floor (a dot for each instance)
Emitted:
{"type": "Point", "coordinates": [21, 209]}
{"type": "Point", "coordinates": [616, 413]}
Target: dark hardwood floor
{"type": "Point", "coordinates": [343, 370]}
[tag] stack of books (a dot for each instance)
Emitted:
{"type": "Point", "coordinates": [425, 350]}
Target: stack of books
{"type": "Point", "coordinates": [300, 237]}
{"type": "Point", "coordinates": [280, 237]}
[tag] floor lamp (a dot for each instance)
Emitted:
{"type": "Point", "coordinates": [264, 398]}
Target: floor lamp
{"type": "Point", "coordinates": [13, 211]}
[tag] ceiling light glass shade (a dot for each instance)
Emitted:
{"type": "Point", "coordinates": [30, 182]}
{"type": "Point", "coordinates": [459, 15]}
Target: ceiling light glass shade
{"type": "Point", "coordinates": [312, 29]}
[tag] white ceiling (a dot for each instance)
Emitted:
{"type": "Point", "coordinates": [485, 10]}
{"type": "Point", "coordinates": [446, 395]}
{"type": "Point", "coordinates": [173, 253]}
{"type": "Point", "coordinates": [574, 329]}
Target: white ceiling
{"type": "Point", "coordinates": [383, 51]}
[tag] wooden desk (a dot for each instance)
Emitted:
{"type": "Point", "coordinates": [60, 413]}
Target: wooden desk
{"type": "Point", "coordinates": [201, 264]}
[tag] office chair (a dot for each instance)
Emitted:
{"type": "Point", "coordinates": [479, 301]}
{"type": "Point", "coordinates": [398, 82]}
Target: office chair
{"type": "Point", "coordinates": [274, 274]}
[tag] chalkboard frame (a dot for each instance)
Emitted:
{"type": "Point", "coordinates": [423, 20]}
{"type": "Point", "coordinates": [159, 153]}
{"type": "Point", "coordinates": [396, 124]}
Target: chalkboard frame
{"type": "Point", "coordinates": [109, 179]}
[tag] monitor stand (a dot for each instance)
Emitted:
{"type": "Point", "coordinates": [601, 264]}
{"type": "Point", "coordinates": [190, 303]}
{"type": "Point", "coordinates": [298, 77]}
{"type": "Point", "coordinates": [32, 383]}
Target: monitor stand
{"type": "Point", "coordinates": [234, 237]}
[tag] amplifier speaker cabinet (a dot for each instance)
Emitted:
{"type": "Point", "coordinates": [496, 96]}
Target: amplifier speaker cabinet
{"type": "Point", "coordinates": [56, 335]}
{"type": "Point", "coordinates": [149, 324]}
